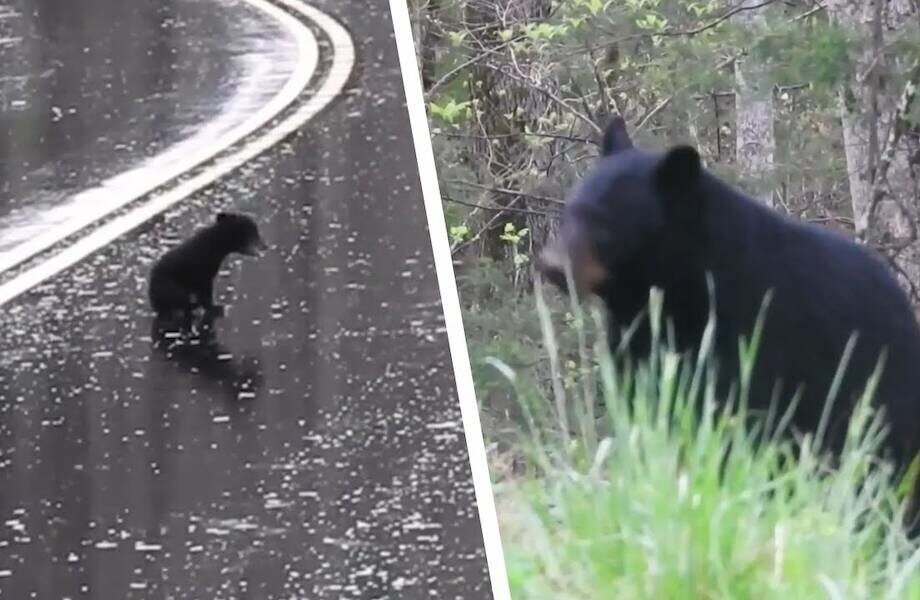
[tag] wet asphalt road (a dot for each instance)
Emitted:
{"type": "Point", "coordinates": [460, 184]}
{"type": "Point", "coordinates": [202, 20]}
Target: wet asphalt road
{"type": "Point", "coordinates": [91, 88]}
{"type": "Point", "coordinates": [313, 449]}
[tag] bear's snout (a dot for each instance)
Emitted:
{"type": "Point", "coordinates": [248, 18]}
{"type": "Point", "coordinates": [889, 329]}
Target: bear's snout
{"type": "Point", "coordinates": [255, 247]}
{"type": "Point", "coordinates": [550, 262]}
{"type": "Point", "coordinates": [588, 273]}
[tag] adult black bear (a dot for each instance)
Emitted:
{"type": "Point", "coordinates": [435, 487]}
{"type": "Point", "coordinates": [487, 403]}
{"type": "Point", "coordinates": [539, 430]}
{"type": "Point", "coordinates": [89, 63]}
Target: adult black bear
{"type": "Point", "coordinates": [641, 219]}
{"type": "Point", "coordinates": [182, 280]}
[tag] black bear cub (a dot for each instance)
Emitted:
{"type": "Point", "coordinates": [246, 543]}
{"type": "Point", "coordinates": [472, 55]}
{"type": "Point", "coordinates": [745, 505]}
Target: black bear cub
{"type": "Point", "coordinates": [643, 219]}
{"type": "Point", "coordinates": [182, 280]}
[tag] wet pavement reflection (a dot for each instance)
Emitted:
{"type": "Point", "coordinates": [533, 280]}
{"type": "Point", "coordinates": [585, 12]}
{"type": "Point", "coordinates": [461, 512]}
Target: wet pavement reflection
{"type": "Point", "coordinates": [90, 89]}
{"type": "Point", "coordinates": [306, 445]}
{"type": "Point", "coordinates": [195, 350]}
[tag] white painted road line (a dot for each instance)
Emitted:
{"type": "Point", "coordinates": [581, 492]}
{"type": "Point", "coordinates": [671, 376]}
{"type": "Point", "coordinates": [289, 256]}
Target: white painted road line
{"type": "Point", "coordinates": [99, 201]}
{"type": "Point", "coordinates": [342, 63]}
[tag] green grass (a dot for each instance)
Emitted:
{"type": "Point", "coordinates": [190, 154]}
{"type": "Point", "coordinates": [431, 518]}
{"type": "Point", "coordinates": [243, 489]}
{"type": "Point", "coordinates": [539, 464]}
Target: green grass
{"type": "Point", "coordinates": [639, 483]}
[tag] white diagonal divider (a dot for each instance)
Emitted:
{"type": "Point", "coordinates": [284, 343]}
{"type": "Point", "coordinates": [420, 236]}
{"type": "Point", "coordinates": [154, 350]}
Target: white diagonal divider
{"type": "Point", "coordinates": [450, 301]}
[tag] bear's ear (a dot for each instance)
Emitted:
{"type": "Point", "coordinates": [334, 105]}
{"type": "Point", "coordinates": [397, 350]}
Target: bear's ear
{"type": "Point", "coordinates": [222, 217]}
{"type": "Point", "coordinates": [616, 138]}
{"type": "Point", "coordinates": [679, 170]}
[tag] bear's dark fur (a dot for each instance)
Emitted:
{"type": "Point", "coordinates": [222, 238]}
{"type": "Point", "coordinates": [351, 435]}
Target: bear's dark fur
{"type": "Point", "coordinates": [182, 280]}
{"type": "Point", "coordinates": [641, 219]}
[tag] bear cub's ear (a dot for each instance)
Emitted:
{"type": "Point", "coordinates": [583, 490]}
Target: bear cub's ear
{"type": "Point", "coordinates": [223, 216]}
{"type": "Point", "coordinates": [679, 170]}
{"type": "Point", "coordinates": [616, 138]}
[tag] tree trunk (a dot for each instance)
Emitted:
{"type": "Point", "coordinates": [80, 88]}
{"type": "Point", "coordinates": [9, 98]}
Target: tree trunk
{"type": "Point", "coordinates": [755, 143]}
{"type": "Point", "coordinates": [877, 140]}
{"type": "Point", "coordinates": [424, 15]}
{"type": "Point", "coordinates": [507, 102]}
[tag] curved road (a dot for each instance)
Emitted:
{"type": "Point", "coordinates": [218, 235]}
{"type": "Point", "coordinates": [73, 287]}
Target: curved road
{"type": "Point", "coordinates": [83, 99]}
{"type": "Point", "coordinates": [313, 449]}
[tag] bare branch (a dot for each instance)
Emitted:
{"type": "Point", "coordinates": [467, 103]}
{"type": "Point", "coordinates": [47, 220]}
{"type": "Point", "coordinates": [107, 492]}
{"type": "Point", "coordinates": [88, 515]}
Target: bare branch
{"type": "Point", "coordinates": [811, 12]}
{"type": "Point", "coordinates": [500, 190]}
{"type": "Point", "coordinates": [881, 186]}
{"type": "Point", "coordinates": [653, 112]}
{"type": "Point", "coordinates": [715, 23]}
{"type": "Point", "coordinates": [540, 134]}
{"type": "Point", "coordinates": [449, 76]}
{"type": "Point", "coordinates": [502, 209]}
{"type": "Point", "coordinates": [561, 102]}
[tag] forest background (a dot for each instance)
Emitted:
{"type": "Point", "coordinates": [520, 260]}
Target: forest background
{"type": "Point", "coordinates": [810, 106]}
